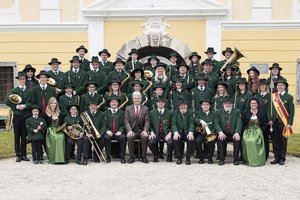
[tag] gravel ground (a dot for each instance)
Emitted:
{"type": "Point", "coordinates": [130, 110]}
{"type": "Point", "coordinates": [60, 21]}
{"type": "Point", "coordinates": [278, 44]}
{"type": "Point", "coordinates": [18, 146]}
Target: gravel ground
{"type": "Point", "coordinates": [160, 180]}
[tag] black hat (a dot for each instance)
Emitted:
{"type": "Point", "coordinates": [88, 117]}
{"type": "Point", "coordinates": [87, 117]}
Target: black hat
{"type": "Point", "coordinates": [92, 102]}
{"type": "Point", "coordinates": [205, 99]}
{"type": "Point", "coordinates": [210, 50]}
{"type": "Point", "coordinates": [75, 58]}
{"type": "Point", "coordinates": [133, 51]}
{"type": "Point", "coordinates": [173, 53]}
{"type": "Point", "coordinates": [228, 49]}
{"type": "Point", "coordinates": [21, 74]}
{"type": "Point", "coordinates": [225, 84]}
{"type": "Point", "coordinates": [229, 66]}
{"type": "Point", "coordinates": [42, 72]}
{"type": "Point", "coordinates": [54, 60]}
{"type": "Point", "coordinates": [28, 67]}
{"type": "Point", "coordinates": [227, 99]}
{"type": "Point", "coordinates": [36, 107]}
{"type": "Point", "coordinates": [95, 59]}
{"type": "Point", "coordinates": [183, 64]}
{"type": "Point", "coordinates": [104, 51]}
{"type": "Point", "coordinates": [119, 60]}
{"type": "Point", "coordinates": [177, 79]}
{"type": "Point", "coordinates": [159, 85]}
{"type": "Point", "coordinates": [194, 54]}
{"type": "Point", "coordinates": [136, 82]}
{"type": "Point", "coordinates": [91, 83]}
{"type": "Point", "coordinates": [161, 98]}
{"type": "Point", "coordinates": [253, 69]}
{"type": "Point", "coordinates": [137, 70]}
{"type": "Point", "coordinates": [115, 80]}
{"type": "Point", "coordinates": [81, 47]}
{"type": "Point", "coordinates": [113, 98]}
{"type": "Point", "coordinates": [201, 76]}
{"type": "Point", "coordinates": [281, 80]}
{"type": "Point", "coordinates": [275, 65]}
{"type": "Point", "coordinates": [153, 57]}
{"type": "Point", "coordinates": [160, 64]}
{"type": "Point", "coordinates": [182, 101]}
{"type": "Point", "coordinates": [77, 106]}
{"type": "Point", "coordinates": [263, 81]}
{"type": "Point", "coordinates": [208, 62]}
{"type": "Point", "coordinates": [69, 85]}
{"type": "Point", "coordinates": [241, 81]}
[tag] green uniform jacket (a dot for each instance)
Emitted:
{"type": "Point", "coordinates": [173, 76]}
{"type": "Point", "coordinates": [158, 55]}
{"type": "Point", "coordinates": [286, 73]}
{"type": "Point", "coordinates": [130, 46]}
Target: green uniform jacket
{"type": "Point", "coordinates": [119, 120]}
{"type": "Point", "coordinates": [218, 102]}
{"type": "Point", "coordinates": [264, 103]}
{"type": "Point", "coordinates": [121, 76]}
{"type": "Point", "coordinates": [27, 100]}
{"type": "Point", "coordinates": [60, 79]}
{"type": "Point", "coordinates": [150, 68]}
{"type": "Point", "coordinates": [145, 83]}
{"type": "Point", "coordinates": [216, 66]}
{"type": "Point", "coordinates": [183, 125]}
{"type": "Point", "coordinates": [31, 124]}
{"type": "Point", "coordinates": [213, 79]}
{"type": "Point", "coordinates": [242, 101]}
{"type": "Point", "coordinates": [128, 66]}
{"type": "Point", "coordinates": [209, 119]}
{"type": "Point", "coordinates": [197, 95]}
{"type": "Point", "coordinates": [85, 65]}
{"type": "Point", "coordinates": [38, 94]}
{"type": "Point", "coordinates": [288, 102]}
{"type": "Point", "coordinates": [97, 120]}
{"type": "Point", "coordinates": [65, 102]}
{"type": "Point", "coordinates": [107, 68]}
{"type": "Point", "coordinates": [171, 71]}
{"type": "Point", "coordinates": [231, 86]}
{"type": "Point", "coordinates": [31, 83]}
{"type": "Point", "coordinates": [153, 105]}
{"type": "Point", "coordinates": [78, 80]}
{"type": "Point", "coordinates": [124, 101]}
{"type": "Point", "coordinates": [98, 77]}
{"type": "Point", "coordinates": [175, 96]}
{"type": "Point", "coordinates": [235, 121]}
{"type": "Point", "coordinates": [155, 121]}
{"type": "Point", "coordinates": [73, 120]}
{"type": "Point", "coordinates": [87, 98]}
{"type": "Point", "coordinates": [165, 84]}
{"type": "Point", "coordinates": [189, 81]}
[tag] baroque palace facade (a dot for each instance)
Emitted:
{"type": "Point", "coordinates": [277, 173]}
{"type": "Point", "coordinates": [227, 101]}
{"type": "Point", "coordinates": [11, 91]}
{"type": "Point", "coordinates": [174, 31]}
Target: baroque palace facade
{"type": "Point", "coordinates": [34, 31]}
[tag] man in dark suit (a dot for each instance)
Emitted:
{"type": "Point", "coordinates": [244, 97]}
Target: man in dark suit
{"type": "Point", "coordinates": [183, 130]}
{"type": "Point", "coordinates": [84, 63]}
{"type": "Point", "coordinates": [228, 126]}
{"type": "Point", "coordinates": [67, 99]}
{"type": "Point", "coordinates": [105, 65]}
{"type": "Point", "coordinates": [137, 123]}
{"type": "Point", "coordinates": [97, 75]}
{"type": "Point", "coordinates": [21, 111]}
{"type": "Point", "coordinates": [160, 128]}
{"type": "Point", "coordinates": [91, 95]}
{"type": "Point", "coordinates": [114, 128]}
{"type": "Point", "coordinates": [59, 76]}
{"type": "Point", "coordinates": [133, 62]}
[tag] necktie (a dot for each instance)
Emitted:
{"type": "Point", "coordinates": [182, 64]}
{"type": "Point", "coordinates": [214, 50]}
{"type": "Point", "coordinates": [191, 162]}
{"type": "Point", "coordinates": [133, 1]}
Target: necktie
{"type": "Point", "coordinates": [95, 70]}
{"type": "Point", "coordinates": [161, 127]}
{"type": "Point", "coordinates": [228, 128]}
{"type": "Point", "coordinates": [113, 123]}
{"type": "Point", "coordinates": [104, 63]}
{"type": "Point", "coordinates": [75, 71]}
{"type": "Point", "coordinates": [22, 88]}
{"type": "Point", "coordinates": [137, 112]}
{"type": "Point", "coordinates": [43, 101]}
{"type": "Point", "coordinates": [56, 73]}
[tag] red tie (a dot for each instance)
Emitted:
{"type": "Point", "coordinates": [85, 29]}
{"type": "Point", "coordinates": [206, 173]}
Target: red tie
{"type": "Point", "coordinates": [114, 129]}
{"type": "Point", "coordinates": [137, 112]}
{"type": "Point", "coordinates": [44, 101]}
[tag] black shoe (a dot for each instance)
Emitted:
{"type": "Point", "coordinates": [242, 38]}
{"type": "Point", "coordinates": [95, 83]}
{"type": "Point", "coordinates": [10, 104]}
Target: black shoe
{"type": "Point", "coordinates": [108, 159]}
{"type": "Point", "coordinates": [67, 162]}
{"type": "Point", "coordinates": [123, 161]}
{"type": "Point", "coordinates": [145, 160]}
{"type": "Point", "coordinates": [155, 159]}
{"type": "Point", "coordinates": [187, 161]}
{"type": "Point", "coordinates": [85, 162]}
{"type": "Point", "coordinates": [169, 159]}
{"type": "Point", "coordinates": [218, 158]}
{"type": "Point", "coordinates": [78, 162]}
{"type": "Point", "coordinates": [40, 162]}
{"type": "Point", "coordinates": [281, 162]}
{"type": "Point", "coordinates": [161, 156]}
{"type": "Point", "coordinates": [201, 161]}
{"type": "Point", "coordinates": [131, 160]}
{"type": "Point", "coordinates": [179, 161]}
{"type": "Point", "coordinates": [274, 162]}
{"type": "Point", "coordinates": [35, 162]}
{"type": "Point", "coordinates": [72, 157]}
{"type": "Point", "coordinates": [25, 158]}
{"type": "Point", "coordinates": [221, 162]}
{"type": "Point", "coordinates": [210, 161]}
{"type": "Point", "coordinates": [236, 162]}
{"type": "Point", "coordinates": [96, 160]}
{"type": "Point", "coordinates": [18, 159]}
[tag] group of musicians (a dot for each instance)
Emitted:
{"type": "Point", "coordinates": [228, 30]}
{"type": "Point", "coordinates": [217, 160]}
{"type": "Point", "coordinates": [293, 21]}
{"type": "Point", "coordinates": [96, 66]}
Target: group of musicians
{"type": "Point", "coordinates": [200, 105]}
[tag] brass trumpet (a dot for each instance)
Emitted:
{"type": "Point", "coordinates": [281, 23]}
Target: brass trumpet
{"type": "Point", "coordinates": [206, 132]}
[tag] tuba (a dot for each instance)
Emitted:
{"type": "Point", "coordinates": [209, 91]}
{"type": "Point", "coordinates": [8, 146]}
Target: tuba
{"type": "Point", "coordinates": [76, 133]}
{"type": "Point", "coordinates": [15, 99]}
{"type": "Point", "coordinates": [148, 74]}
{"type": "Point", "coordinates": [205, 132]}
{"type": "Point", "coordinates": [233, 60]}
{"type": "Point", "coordinates": [51, 82]}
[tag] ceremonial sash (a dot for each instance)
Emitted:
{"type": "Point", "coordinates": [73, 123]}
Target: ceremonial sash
{"type": "Point", "coordinates": [282, 113]}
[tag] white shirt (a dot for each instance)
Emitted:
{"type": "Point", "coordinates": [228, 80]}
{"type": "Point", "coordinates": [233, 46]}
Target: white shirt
{"type": "Point", "coordinates": [55, 71]}
{"type": "Point", "coordinates": [201, 88]}
{"type": "Point", "coordinates": [139, 108]}
{"type": "Point", "coordinates": [43, 86]}
{"type": "Point", "coordinates": [24, 87]}
{"type": "Point", "coordinates": [263, 93]}
{"type": "Point", "coordinates": [114, 111]}
{"type": "Point", "coordinates": [206, 113]}
{"type": "Point", "coordinates": [69, 96]}
{"type": "Point", "coordinates": [162, 110]}
{"type": "Point", "coordinates": [73, 69]}
{"type": "Point", "coordinates": [179, 90]}
{"type": "Point", "coordinates": [73, 115]}
{"type": "Point", "coordinates": [96, 70]}
{"type": "Point", "coordinates": [282, 93]}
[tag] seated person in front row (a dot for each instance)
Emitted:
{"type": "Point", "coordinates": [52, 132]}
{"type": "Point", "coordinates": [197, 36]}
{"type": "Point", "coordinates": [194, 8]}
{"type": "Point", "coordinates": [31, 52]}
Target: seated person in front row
{"type": "Point", "coordinates": [183, 128]}
{"type": "Point", "coordinates": [114, 128]}
{"type": "Point", "coordinates": [228, 126]}
{"type": "Point", "coordinates": [36, 127]}
{"type": "Point", "coordinates": [160, 129]}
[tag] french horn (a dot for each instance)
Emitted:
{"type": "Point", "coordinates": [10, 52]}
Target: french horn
{"type": "Point", "coordinates": [76, 133]}
{"type": "Point", "coordinates": [148, 74]}
{"type": "Point", "coordinates": [51, 82]}
{"type": "Point", "coordinates": [15, 99]}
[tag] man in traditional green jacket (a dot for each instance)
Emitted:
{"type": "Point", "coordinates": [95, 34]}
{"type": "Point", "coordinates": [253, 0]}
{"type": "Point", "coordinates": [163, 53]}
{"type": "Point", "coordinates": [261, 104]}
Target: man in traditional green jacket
{"type": "Point", "coordinates": [120, 74]}
{"type": "Point", "coordinates": [183, 73]}
{"type": "Point", "coordinates": [183, 130]}
{"type": "Point", "coordinates": [210, 53]}
{"type": "Point", "coordinates": [67, 99]}
{"type": "Point", "coordinates": [76, 76]}
{"type": "Point", "coordinates": [213, 77]}
{"type": "Point", "coordinates": [105, 65]}
{"type": "Point", "coordinates": [160, 129]}
{"type": "Point", "coordinates": [242, 95]}
{"type": "Point", "coordinates": [133, 62]}
{"type": "Point", "coordinates": [84, 63]}
{"type": "Point", "coordinates": [59, 76]}
{"type": "Point", "coordinates": [228, 126]}
{"type": "Point", "coordinates": [171, 70]}
{"type": "Point", "coordinates": [21, 111]}
{"type": "Point", "coordinates": [97, 76]}
{"type": "Point", "coordinates": [90, 96]}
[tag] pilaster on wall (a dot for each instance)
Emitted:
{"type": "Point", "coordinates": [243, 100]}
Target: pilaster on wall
{"type": "Point", "coordinates": [214, 35]}
{"type": "Point", "coordinates": [262, 10]}
{"type": "Point", "coordinates": [50, 11]}
{"type": "Point", "coordinates": [95, 35]}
